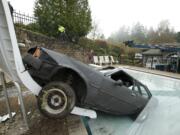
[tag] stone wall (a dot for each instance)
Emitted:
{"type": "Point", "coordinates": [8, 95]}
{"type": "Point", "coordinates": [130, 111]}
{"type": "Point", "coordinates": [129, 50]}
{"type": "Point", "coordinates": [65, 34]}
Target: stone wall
{"type": "Point", "coordinates": [32, 39]}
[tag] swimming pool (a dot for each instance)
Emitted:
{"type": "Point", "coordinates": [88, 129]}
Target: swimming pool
{"type": "Point", "coordinates": [161, 117]}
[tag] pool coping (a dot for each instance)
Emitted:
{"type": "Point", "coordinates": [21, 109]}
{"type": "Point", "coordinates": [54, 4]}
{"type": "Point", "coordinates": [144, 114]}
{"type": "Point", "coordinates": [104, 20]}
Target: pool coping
{"type": "Point", "coordinates": [155, 72]}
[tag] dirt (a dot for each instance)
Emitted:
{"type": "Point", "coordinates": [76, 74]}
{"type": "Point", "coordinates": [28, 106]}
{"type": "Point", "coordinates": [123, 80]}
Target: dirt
{"type": "Point", "coordinates": [39, 125]}
{"type": "Point", "coordinates": [43, 126]}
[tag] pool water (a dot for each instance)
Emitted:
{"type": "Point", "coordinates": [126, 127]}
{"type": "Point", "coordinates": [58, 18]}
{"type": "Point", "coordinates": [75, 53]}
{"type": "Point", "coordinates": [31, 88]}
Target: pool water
{"type": "Point", "coordinates": [162, 118]}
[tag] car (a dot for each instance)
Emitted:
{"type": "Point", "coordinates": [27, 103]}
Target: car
{"type": "Point", "coordinates": [67, 83]}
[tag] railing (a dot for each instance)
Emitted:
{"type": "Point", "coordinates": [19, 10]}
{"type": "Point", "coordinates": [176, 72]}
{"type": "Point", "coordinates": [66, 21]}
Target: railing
{"type": "Point", "coordinates": [23, 18]}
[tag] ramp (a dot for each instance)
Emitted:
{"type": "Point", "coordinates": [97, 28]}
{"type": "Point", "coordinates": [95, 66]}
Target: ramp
{"type": "Point", "coordinates": [10, 57]}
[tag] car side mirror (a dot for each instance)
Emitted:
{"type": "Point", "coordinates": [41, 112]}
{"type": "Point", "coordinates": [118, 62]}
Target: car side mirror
{"type": "Point", "coordinates": [119, 82]}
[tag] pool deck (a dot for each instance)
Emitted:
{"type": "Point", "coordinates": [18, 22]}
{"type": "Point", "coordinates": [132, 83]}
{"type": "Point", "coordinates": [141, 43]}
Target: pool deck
{"type": "Point", "coordinates": [156, 72]}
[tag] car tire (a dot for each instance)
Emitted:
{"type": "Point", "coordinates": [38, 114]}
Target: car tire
{"type": "Point", "coordinates": [56, 100]}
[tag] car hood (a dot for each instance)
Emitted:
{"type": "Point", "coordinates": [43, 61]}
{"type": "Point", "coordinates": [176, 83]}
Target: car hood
{"type": "Point", "coordinates": [85, 71]}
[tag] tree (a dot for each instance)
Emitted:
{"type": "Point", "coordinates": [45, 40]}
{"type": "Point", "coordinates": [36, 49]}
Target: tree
{"type": "Point", "coordinates": [95, 32]}
{"type": "Point", "coordinates": [152, 36]}
{"type": "Point", "coordinates": [178, 37]}
{"type": "Point", "coordinates": [121, 35]}
{"type": "Point", "coordinates": [166, 34]}
{"type": "Point", "coordinates": [138, 33]}
{"type": "Point", "coordinates": [74, 15]}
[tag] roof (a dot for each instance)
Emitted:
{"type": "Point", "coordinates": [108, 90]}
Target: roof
{"type": "Point", "coordinates": [166, 47]}
{"type": "Point", "coordinates": [153, 52]}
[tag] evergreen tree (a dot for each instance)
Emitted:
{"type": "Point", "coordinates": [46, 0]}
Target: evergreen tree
{"type": "Point", "coordinates": [74, 15]}
{"type": "Point", "coordinates": [138, 33]}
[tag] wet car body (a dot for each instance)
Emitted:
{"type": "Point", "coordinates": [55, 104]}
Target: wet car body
{"type": "Point", "coordinates": [114, 91]}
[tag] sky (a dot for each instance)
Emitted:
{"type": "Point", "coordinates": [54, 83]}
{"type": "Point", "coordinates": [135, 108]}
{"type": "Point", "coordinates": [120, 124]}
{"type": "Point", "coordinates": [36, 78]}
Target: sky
{"type": "Point", "coordinates": [110, 15]}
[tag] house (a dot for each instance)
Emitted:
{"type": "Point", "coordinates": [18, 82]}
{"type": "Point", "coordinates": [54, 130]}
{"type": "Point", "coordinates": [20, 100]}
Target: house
{"type": "Point", "coordinates": [152, 57]}
{"type": "Point", "coordinates": [164, 56]}
{"type": "Point", "coordinates": [161, 59]}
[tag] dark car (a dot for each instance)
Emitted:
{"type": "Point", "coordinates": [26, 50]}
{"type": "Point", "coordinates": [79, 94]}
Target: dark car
{"type": "Point", "coordinates": [67, 83]}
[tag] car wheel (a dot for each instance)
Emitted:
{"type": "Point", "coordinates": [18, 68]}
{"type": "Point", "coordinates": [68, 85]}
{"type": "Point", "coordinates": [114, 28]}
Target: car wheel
{"type": "Point", "coordinates": [56, 100]}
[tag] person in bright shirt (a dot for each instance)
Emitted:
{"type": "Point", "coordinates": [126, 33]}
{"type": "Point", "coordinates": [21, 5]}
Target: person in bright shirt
{"type": "Point", "coordinates": [62, 32]}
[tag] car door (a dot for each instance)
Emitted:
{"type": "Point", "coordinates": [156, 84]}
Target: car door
{"type": "Point", "coordinates": [115, 98]}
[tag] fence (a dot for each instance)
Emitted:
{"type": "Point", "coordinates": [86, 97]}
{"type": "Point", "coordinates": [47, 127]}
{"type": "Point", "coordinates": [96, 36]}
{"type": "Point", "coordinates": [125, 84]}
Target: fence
{"type": "Point", "coordinates": [23, 18]}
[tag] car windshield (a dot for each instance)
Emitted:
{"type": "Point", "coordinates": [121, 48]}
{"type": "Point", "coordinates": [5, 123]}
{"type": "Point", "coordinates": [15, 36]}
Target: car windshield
{"type": "Point", "coordinates": [128, 81]}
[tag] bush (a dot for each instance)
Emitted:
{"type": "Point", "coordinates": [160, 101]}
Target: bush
{"type": "Point", "coordinates": [32, 26]}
